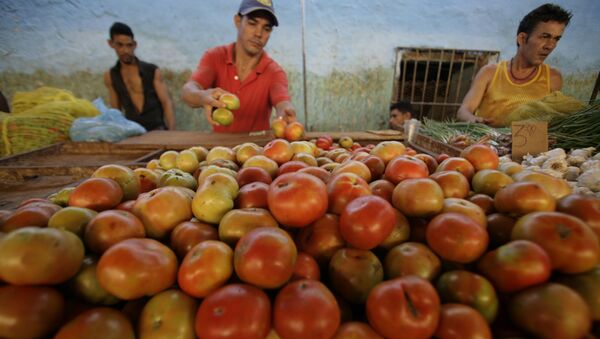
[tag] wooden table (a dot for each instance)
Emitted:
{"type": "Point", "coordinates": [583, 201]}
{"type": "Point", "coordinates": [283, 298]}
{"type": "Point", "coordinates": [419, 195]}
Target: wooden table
{"type": "Point", "coordinates": [178, 140]}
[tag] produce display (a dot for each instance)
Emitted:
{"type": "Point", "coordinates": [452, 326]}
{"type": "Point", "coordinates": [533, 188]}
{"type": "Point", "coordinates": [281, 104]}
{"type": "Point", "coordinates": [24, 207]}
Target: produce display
{"type": "Point", "coordinates": [310, 239]}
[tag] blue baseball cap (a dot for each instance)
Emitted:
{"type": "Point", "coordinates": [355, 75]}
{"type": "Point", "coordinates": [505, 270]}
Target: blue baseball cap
{"type": "Point", "coordinates": [249, 6]}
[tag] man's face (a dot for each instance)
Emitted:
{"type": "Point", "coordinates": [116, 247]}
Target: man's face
{"type": "Point", "coordinates": [538, 45]}
{"type": "Point", "coordinates": [397, 119]}
{"type": "Point", "coordinates": [253, 33]}
{"type": "Point", "coordinates": [124, 46]}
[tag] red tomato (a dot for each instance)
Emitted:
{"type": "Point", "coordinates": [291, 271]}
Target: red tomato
{"type": "Point", "coordinates": [306, 267]}
{"type": "Point", "coordinates": [520, 198]}
{"type": "Point", "coordinates": [587, 285]}
{"type": "Point", "coordinates": [109, 227]}
{"type": "Point", "coordinates": [367, 221]}
{"type": "Point", "coordinates": [34, 213]}
{"type": "Point", "coordinates": [321, 239]}
{"type": "Point", "coordinates": [98, 194]}
{"type": "Point", "coordinates": [190, 233]}
{"type": "Point", "coordinates": [375, 165]}
{"type": "Point", "coordinates": [382, 188]}
{"type": "Point", "coordinates": [484, 201]}
{"type": "Point", "coordinates": [291, 166]}
{"type": "Point", "coordinates": [406, 307]}
{"type": "Point", "coordinates": [356, 330]}
{"type": "Point", "coordinates": [134, 268]}
{"type": "Point", "coordinates": [318, 172]}
{"type": "Point", "coordinates": [499, 228]}
{"type": "Point", "coordinates": [205, 268]}
{"type": "Point", "coordinates": [85, 284]}
{"type": "Point", "coordinates": [571, 244]}
{"type": "Point", "coordinates": [550, 311]}
{"type": "Point", "coordinates": [344, 188]}
{"type": "Point", "coordinates": [459, 321]}
{"type": "Point", "coordinates": [29, 311]}
{"type": "Point", "coordinates": [429, 160]}
{"type": "Point", "coordinates": [481, 156]}
{"type": "Point", "coordinates": [297, 199]}
{"type": "Point", "coordinates": [453, 183]}
{"type": "Point", "coordinates": [253, 195]}
{"type": "Point", "coordinates": [421, 197]}
{"type": "Point", "coordinates": [252, 174]}
{"type": "Point", "coordinates": [235, 311]}
{"type": "Point", "coordinates": [100, 322]}
{"type": "Point", "coordinates": [305, 309]}
{"type": "Point", "coordinates": [40, 256]}
{"type": "Point", "coordinates": [516, 265]}
{"type": "Point", "coordinates": [265, 257]}
{"type": "Point", "coordinates": [586, 208]}
{"type": "Point", "coordinates": [470, 289]}
{"type": "Point", "coordinates": [405, 167]}
{"type": "Point", "coordinates": [456, 237]}
{"type": "Point", "coordinates": [169, 314]}
{"type": "Point", "coordinates": [400, 233]}
{"type": "Point", "coordinates": [278, 150]}
{"type": "Point", "coordinates": [461, 165]}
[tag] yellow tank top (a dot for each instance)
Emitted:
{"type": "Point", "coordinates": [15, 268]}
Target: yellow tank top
{"type": "Point", "coordinates": [503, 95]}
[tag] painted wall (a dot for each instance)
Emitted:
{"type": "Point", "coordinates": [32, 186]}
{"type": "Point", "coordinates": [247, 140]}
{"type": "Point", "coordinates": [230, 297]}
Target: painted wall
{"type": "Point", "coordinates": [350, 46]}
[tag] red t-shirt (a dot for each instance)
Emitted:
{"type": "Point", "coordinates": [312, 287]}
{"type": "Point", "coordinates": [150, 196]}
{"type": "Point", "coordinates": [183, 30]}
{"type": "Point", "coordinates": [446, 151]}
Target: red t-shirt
{"type": "Point", "coordinates": [263, 88]}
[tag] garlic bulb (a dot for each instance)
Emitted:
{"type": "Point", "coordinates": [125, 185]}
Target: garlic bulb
{"type": "Point", "coordinates": [596, 156]}
{"type": "Point", "coordinates": [583, 152]}
{"type": "Point", "coordinates": [590, 179]}
{"type": "Point", "coordinates": [555, 152]}
{"type": "Point", "coordinates": [576, 160]}
{"type": "Point", "coordinates": [551, 172]}
{"type": "Point", "coordinates": [590, 164]}
{"type": "Point", "coordinates": [538, 161]}
{"type": "Point", "coordinates": [504, 158]}
{"type": "Point", "coordinates": [582, 190]}
{"type": "Point", "coordinates": [572, 173]}
{"type": "Point", "coordinates": [556, 164]}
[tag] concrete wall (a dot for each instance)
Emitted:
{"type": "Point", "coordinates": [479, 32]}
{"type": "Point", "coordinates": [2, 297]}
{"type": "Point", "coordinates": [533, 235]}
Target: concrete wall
{"type": "Point", "coordinates": [350, 46]}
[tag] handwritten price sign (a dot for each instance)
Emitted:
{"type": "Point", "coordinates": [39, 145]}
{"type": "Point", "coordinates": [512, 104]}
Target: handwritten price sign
{"type": "Point", "coordinates": [529, 137]}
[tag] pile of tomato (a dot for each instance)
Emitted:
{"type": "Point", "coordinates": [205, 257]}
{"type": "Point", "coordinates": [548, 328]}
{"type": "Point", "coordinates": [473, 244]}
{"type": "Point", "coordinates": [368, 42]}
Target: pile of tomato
{"type": "Point", "coordinates": [304, 240]}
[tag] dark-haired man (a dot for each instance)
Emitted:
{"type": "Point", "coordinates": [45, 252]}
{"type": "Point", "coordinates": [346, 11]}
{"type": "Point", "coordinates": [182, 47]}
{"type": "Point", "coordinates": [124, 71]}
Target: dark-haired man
{"type": "Point", "coordinates": [499, 88]}
{"type": "Point", "coordinates": [136, 87]}
{"type": "Point", "coordinates": [399, 113]}
{"type": "Point", "coordinates": [246, 70]}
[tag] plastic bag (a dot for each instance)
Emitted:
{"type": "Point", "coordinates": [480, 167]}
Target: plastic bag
{"type": "Point", "coordinates": [110, 126]}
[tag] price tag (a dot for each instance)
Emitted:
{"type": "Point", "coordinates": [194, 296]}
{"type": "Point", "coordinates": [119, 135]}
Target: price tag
{"type": "Point", "coordinates": [528, 137]}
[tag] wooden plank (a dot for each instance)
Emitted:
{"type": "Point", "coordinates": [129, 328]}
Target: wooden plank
{"type": "Point", "coordinates": [13, 193]}
{"type": "Point", "coordinates": [425, 144]}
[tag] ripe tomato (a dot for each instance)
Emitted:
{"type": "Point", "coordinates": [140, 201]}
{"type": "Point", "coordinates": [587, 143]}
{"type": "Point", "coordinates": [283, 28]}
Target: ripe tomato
{"type": "Point", "coordinates": [484, 201]}
{"type": "Point", "coordinates": [453, 183]}
{"type": "Point", "coordinates": [461, 165]}
{"type": "Point", "coordinates": [405, 167]}
{"type": "Point", "coordinates": [550, 311]}
{"type": "Point", "coordinates": [98, 194]}
{"type": "Point", "coordinates": [344, 188]}
{"type": "Point", "coordinates": [190, 233]}
{"type": "Point", "coordinates": [249, 175]}
{"type": "Point", "coordinates": [253, 195]}
{"type": "Point", "coordinates": [356, 330]}
{"type": "Point", "coordinates": [516, 265]}
{"type": "Point", "coordinates": [305, 309]}
{"type": "Point", "coordinates": [470, 289]}
{"type": "Point", "coordinates": [39, 256]}
{"type": "Point", "coordinates": [399, 234]}
{"type": "Point", "coordinates": [459, 321]}
{"type": "Point", "coordinates": [34, 213]}
{"type": "Point", "coordinates": [375, 165]}
{"type": "Point", "coordinates": [205, 268]}
{"type": "Point", "coordinates": [234, 311]}
{"type": "Point", "coordinates": [306, 267]}
{"type": "Point", "coordinates": [318, 172]}
{"type": "Point", "coordinates": [481, 156]}
{"type": "Point", "coordinates": [29, 311]}
{"type": "Point", "coordinates": [571, 244]}
{"type": "Point", "coordinates": [109, 227]}
{"type": "Point", "coordinates": [291, 166]}
{"type": "Point", "coordinates": [520, 198]}
{"type": "Point", "coordinates": [85, 285]}
{"type": "Point", "coordinates": [421, 197]}
{"type": "Point", "coordinates": [353, 166]}
{"type": "Point", "coordinates": [382, 188]}
{"type": "Point", "coordinates": [467, 208]}
{"type": "Point", "coordinates": [499, 228]}
{"type": "Point", "coordinates": [238, 222]}
{"type": "Point", "coordinates": [489, 181]}
{"type": "Point", "coordinates": [169, 314]}
{"type": "Point", "coordinates": [297, 199]}
{"type": "Point", "coordinates": [321, 239]}
{"type": "Point", "coordinates": [456, 237]}
{"type": "Point", "coordinates": [100, 322]}
{"type": "Point", "coordinates": [587, 285]}
{"type": "Point", "coordinates": [265, 257]}
{"type": "Point", "coordinates": [586, 208]}
{"type": "Point", "coordinates": [405, 307]}
{"type": "Point", "coordinates": [134, 268]}
{"type": "Point", "coordinates": [278, 150]}
{"type": "Point", "coordinates": [367, 221]}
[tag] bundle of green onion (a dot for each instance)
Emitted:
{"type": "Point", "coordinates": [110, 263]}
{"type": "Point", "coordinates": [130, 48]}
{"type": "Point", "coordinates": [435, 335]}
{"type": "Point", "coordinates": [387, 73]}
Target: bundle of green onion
{"type": "Point", "coordinates": [577, 130]}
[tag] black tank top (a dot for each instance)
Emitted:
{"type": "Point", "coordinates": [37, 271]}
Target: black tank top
{"type": "Point", "coordinates": [151, 116]}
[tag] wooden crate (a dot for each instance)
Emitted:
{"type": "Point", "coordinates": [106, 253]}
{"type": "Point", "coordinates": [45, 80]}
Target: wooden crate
{"type": "Point", "coordinates": [425, 144]}
{"type": "Point", "coordinates": [40, 172]}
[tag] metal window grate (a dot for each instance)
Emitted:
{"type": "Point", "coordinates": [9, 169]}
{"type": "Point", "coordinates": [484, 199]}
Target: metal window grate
{"type": "Point", "coordinates": [435, 81]}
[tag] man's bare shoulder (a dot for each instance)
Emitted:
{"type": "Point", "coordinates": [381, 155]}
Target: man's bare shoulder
{"type": "Point", "coordinates": [107, 79]}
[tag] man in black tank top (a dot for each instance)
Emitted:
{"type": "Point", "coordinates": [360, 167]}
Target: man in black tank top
{"type": "Point", "coordinates": [136, 87]}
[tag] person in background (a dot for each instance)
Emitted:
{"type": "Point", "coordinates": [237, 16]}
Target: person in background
{"type": "Point", "coordinates": [246, 70]}
{"type": "Point", "coordinates": [399, 113]}
{"type": "Point", "coordinates": [499, 88]}
{"type": "Point", "coordinates": [136, 87]}
{"type": "Point", "coordinates": [4, 104]}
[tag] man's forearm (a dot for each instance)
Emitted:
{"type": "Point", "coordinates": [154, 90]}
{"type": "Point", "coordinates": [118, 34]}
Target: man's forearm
{"type": "Point", "coordinates": [190, 94]}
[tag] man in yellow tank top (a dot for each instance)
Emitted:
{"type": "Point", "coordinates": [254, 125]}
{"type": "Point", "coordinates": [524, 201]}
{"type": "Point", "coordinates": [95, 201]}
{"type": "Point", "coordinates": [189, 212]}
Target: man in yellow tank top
{"type": "Point", "coordinates": [499, 88]}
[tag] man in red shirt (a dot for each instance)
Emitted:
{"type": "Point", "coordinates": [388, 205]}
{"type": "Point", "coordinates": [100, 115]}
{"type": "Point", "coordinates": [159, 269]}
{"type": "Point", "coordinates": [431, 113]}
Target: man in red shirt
{"type": "Point", "coordinates": [246, 70]}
